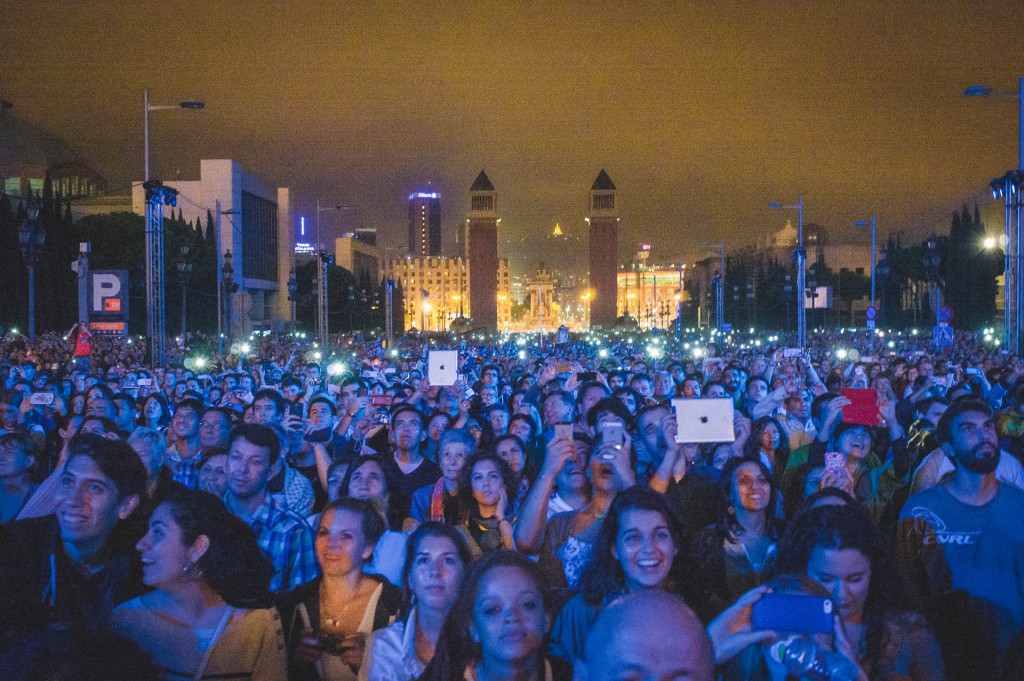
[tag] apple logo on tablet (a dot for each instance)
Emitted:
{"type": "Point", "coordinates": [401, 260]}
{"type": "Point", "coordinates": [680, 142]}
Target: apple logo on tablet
{"type": "Point", "coordinates": [703, 419]}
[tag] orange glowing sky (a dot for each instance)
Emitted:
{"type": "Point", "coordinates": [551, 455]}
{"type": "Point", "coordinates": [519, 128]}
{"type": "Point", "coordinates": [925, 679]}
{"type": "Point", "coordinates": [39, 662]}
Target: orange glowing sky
{"type": "Point", "coordinates": [701, 112]}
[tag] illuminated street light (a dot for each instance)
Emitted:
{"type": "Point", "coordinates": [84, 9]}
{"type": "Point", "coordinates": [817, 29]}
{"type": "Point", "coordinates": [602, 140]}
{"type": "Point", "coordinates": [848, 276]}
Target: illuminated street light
{"type": "Point", "coordinates": [1008, 188]}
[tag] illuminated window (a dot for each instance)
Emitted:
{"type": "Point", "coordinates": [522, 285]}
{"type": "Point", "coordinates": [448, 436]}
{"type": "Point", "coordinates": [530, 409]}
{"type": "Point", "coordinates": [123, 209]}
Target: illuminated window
{"type": "Point", "coordinates": [12, 186]}
{"type": "Point", "coordinates": [35, 185]}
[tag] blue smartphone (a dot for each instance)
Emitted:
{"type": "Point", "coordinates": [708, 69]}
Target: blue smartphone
{"type": "Point", "coordinates": [793, 613]}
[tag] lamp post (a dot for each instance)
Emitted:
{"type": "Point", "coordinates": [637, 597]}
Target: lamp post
{"type": "Point", "coordinates": [323, 260]}
{"type": "Point", "coordinates": [31, 235]}
{"type": "Point", "coordinates": [228, 272]}
{"type": "Point", "coordinates": [1008, 188]}
{"type": "Point", "coordinates": [801, 270]}
{"type": "Point", "coordinates": [293, 287]}
{"type": "Point", "coordinates": [147, 107]}
{"type": "Point", "coordinates": [184, 269]}
{"type": "Point", "coordinates": [156, 197]}
{"type": "Point", "coordinates": [931, 268]}
{"type": "Point", "coordinates": [719, 281]}
{"type": "Point", "coordinates": [389, 293]}
{"type": "Point", "coordinates": [864, 223]}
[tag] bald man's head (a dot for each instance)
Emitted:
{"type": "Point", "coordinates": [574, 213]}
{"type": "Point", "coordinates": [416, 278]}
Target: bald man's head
{"type": "Point", "coordinates": [653, 635]}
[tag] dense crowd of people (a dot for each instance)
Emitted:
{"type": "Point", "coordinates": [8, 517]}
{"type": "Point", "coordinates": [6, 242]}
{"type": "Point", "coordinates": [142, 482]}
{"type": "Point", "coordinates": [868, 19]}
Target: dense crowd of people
{"type": "Point", "coordinates": [297, 512]}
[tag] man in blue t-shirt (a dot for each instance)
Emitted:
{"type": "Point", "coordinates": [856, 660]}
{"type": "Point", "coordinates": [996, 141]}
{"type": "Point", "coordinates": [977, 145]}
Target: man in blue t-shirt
{"type": "Point", "coordinates": [961, 548]}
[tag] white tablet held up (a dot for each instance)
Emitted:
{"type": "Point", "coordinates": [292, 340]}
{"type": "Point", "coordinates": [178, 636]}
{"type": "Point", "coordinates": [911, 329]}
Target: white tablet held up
{"type": "Point", "coordinates": [442, 367]}
{"type": "Point", "coordinates": [704, 420]}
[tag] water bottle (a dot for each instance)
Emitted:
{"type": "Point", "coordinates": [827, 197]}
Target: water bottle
{"type": "Point", "coordinates": [808, 662]}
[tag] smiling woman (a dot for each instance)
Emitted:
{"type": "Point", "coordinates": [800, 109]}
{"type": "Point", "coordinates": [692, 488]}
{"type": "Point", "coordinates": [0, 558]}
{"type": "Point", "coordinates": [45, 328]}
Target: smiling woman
{"type": "Point", "coordinates": [207, 575]}
{"type": "Point", "coordinates": [329, 619]}
{"type": "Point", "coordinates": [637, 550]}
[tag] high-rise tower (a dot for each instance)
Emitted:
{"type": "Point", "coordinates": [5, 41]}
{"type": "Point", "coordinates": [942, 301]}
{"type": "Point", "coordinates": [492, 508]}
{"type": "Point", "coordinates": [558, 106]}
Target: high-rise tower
{"type": "Point", "coordinates": [425, 223]}
{"type": "Point", "coordinates": [482, 253]}
{"type": "Point", "coordinates": [603, 217]}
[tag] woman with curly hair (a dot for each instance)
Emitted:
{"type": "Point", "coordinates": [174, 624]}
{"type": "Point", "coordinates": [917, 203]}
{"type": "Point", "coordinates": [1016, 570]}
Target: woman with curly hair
{"type": "Point", "coordinates": [638, 549]}
{"type": "Point", "coordinates": [840, 549]}
{"type": "Point", "coordinates": [498, 625]}
{"type": "Point", "coordinates": [733, 553]}
{"type": "Point", "coordinates": [206, 616]}
{"type": "Point", "coordinates": [486, 485]}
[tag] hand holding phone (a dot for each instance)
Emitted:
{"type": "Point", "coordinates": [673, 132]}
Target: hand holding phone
{"type": "Point", "coordinates": [797, 613]}
{"type": "Point", "coordinates": [613, 434]}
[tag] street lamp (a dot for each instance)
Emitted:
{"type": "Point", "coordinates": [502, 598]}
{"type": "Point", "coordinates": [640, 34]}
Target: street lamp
{"type": "Point", "coordinates": [801, 270]}
{"type": "Point", "coordinates": [184, 268]}
{"type": "Point", "coordinates": [228, 271]}
{"type": "Point", "coordinates": [293, 287]}
{"type": "Point", "coordinates": [719, 282]}
{"type": "Point", "coordinates": [324, 259]}
{"type": "Point", "coordinates": [931, 268]}
{"type": "Point", "coordinates": [864, 223]}
{"type": "Point", "coordinates": [147, 107]}
{"type": "Point", "coordinates": [1007, 187]}
{"type": "Point", "coordinates": [31, 235]}
{"type": "Point", "coordinates": [156, 197]}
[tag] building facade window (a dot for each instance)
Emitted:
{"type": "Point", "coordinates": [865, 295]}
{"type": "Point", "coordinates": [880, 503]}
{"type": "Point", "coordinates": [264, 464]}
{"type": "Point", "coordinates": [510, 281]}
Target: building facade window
{"type": "Point", "coordinates": [259, 237]}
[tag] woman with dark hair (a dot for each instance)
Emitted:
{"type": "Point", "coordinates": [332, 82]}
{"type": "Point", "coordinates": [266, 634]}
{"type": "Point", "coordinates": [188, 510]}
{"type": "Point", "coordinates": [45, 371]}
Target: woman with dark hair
{"type": "Point", "coordinates": [513, 452]}
{"type": "Point", "coordinates": [733, 553]}
{"type": "Point", "coordinates": [637, 550]}
{"type": "Point", "coordinates": [207, 573]}
{"type": "Point", "coordinates": [768, 442]}
{"type": "Point", "coordinates": [77, 402]}
{"type": "Point", "coordinates": [438, 557]}
{"type": "Point", "coordinates": [485, 488]}
{"type": "Point", "coordinates": [328, 620]}
{"type": "Point", "coordinates": [155, 413]}
{"type": "Point", "coordinates": [497, 627]}
{"type": "Point", "coordinates": [840, 549]}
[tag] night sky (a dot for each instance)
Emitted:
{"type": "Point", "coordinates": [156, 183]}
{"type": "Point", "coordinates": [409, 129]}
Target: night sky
{"type": "Point", "coordinates": [700, 112]}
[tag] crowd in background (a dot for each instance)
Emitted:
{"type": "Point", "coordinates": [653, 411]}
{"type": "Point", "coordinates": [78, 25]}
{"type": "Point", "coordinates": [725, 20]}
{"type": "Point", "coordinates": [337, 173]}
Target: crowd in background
{"type": "Point", "coordinates": [290, 511]}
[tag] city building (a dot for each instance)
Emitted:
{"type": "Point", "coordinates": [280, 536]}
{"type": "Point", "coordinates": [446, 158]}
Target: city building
{"type": "Point", "coordinates": [650, 294]}
{"type": "Point", "coordinates": [482, 252]}
{"type": "Point", "coordinates": [437, 291]}
{"type": "Point", "coordinates": [603, 217]}
{"type": "Point", "coordinates": [28, 153]}
{"type": "Point", "coordinates": [357, 252]}
{"type": "Point", "coordinates": [847, 255]}
{"type": "Point", "coordinates": [425, 223]}
{"type": "Point", "coordinates": [255, 227]}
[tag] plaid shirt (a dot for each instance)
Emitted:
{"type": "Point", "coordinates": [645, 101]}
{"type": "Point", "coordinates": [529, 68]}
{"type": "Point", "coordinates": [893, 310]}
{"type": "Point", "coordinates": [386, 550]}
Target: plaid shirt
{"type": "Point", "coordinates": [186, 471]}
{"type": "Point", "coordinates": [287, 539]}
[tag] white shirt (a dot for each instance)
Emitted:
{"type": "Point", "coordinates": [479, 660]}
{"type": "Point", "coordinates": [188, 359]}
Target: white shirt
{"type": "Point", "coordinates": [391, 653]}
